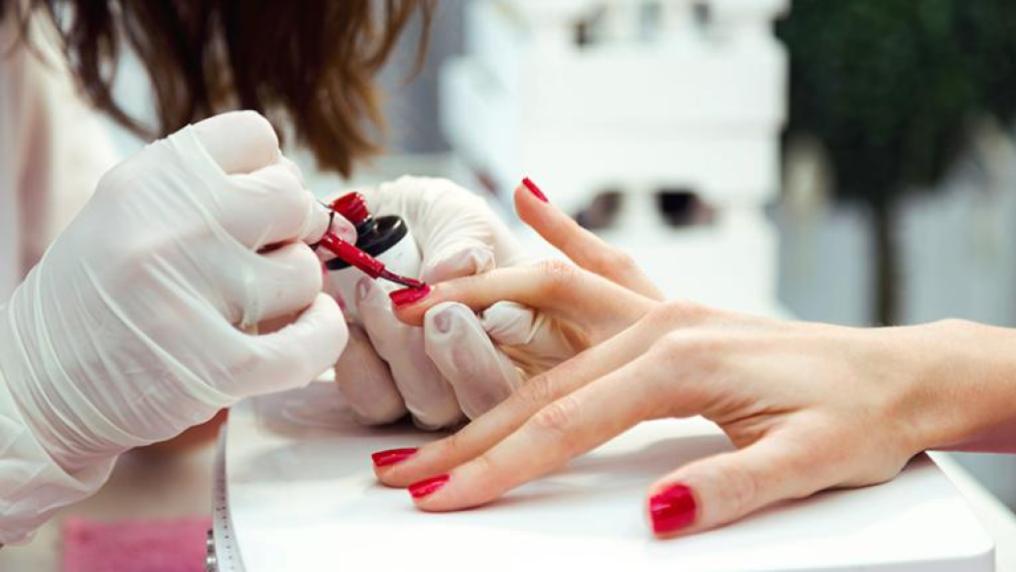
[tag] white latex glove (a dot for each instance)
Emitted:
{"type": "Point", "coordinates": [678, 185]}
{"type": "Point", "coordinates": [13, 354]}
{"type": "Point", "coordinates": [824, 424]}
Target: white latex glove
{"type": "Point", "coordinates": [538, 341]}
{"type": "Point", "coordinates": [450, 368]}
{"type": "Point", "coordinates": [130, 328]}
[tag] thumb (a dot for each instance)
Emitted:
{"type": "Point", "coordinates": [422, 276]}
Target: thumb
{"type": "Point", "coordinates": [723, 488]}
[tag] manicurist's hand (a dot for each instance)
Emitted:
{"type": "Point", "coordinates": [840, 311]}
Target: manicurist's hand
{"type": "Point", "coordinates": [808, 406]}
{"type": "Point", "coordinates": [134, 326]}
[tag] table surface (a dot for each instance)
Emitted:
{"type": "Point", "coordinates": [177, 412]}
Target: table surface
{"type": "Point", "coordinates": [332, 504]}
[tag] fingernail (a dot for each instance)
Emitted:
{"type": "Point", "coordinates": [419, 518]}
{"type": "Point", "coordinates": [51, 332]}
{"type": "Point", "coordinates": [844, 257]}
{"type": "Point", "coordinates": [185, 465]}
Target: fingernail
{"type": "Point", "coordinates": [408, 296]}
{"type": "Point", "coordinates": [363, 289]}
{"type": "Point", "coordinates": [425, 487]}
{"type": "Point", "coordinates": [392, 456]}
{"type": "Point", "coordinates": [534, 189]}
{"type": "Point", "coordinates": [443, 322]}
{"type": "Point", "coordinates": [672, 509]}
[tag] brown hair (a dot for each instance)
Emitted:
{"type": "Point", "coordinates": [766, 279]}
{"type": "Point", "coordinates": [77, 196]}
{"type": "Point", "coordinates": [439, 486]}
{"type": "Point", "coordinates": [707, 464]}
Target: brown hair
{"type": "Point", "coordinates": [312, 61]}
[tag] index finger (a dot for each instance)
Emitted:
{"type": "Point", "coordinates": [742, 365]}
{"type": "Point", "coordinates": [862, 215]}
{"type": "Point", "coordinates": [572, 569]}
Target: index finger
{"type": "Point", "coordinates": [554, 287]}
{"type": "Point", "coordinates": [578, 244]}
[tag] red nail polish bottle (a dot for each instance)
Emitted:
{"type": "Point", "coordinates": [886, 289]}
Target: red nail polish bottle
{"type": "Point", "coordinates": [386, 238]}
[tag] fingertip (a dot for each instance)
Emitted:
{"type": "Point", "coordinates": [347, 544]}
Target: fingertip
{"type": "Point", "coordinates": [525, 202]}
{"type": "Point", "coordinates": [410, 305]}
{"type": "Point", "coordinates": [316, 222]}
{"type": "Point", "coordinates": [535, 212]}
{"type": "Point", "coordinates": [426, 492]}
{"type": "Point", "coordinates": [672, 509]}
{"type": "Point", "coordinates": [534, 190]}
{"type": "Point", "coordinates": [425, 461]}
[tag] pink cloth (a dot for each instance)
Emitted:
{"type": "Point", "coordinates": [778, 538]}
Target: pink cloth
{"type": "Point", "coordinates": [135, 546]}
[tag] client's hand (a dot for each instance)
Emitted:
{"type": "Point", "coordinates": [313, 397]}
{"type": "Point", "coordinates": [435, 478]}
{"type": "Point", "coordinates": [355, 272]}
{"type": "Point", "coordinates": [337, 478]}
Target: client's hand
{"type": "Point", "coordinates": [808, 406]}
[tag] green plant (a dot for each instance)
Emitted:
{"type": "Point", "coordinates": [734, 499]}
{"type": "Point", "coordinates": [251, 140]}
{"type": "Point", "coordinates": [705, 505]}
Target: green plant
{"type": "Point", "coordinates": [890, 87]}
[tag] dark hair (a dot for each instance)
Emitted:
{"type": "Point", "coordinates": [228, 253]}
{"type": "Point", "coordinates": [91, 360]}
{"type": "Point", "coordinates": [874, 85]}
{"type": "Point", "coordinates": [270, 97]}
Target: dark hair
{"type": "Point", "coordinates": [311, 61]}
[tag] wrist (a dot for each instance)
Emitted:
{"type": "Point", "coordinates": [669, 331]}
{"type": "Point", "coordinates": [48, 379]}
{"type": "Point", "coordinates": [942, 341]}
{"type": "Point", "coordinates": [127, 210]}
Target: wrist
{"type": "Point", "coordinates": [961, 392]}
{"type": "Point", "coordinates": [28, 365]}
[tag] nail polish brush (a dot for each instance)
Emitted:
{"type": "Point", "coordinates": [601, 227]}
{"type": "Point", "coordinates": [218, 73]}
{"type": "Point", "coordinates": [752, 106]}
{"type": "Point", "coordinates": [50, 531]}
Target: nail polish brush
{"type": "Point", "coordinates": [366, 263]}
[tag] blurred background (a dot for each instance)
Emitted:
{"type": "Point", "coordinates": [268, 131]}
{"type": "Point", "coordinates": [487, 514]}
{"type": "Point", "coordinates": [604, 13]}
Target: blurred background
{"type": "Point", "coordinates": [850, 161]}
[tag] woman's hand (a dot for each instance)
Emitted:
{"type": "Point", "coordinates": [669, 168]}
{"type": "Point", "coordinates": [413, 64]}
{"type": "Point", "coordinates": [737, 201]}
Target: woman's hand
{"type": "Point", "coordinates": [808, 406]}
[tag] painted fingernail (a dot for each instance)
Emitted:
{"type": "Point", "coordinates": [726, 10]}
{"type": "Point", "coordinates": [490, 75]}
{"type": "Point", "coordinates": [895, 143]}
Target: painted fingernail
{"type": "Point", "coordinates": [408, 296]}
{"type": "Point", "coordinates": [534, 189]}
{"type": "Point", "coordinates": [420, 489]}
{"type": "Point", "coordinates": [672, 509]}
{"type": "Point", "coordinates": [392, 456]}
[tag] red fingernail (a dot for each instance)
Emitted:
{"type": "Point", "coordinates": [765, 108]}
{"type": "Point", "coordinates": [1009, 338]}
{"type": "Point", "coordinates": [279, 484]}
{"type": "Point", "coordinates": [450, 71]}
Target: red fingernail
{"type": "Point", "coordinates": [534, 189]}
{"type": "Point", "coordinates": [392, 456]}
{"type": "Point", "coordinates": [408, 296]}
{"type": "Point", "coordinates": [672, 509]}
{"type": "Point", "coordinates": [425, 487]}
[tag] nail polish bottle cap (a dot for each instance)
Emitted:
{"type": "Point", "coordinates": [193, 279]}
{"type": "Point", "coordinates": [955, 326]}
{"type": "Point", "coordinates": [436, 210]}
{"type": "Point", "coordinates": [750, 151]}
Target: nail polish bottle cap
{"type": "Point", "coordinates": [353, 207]}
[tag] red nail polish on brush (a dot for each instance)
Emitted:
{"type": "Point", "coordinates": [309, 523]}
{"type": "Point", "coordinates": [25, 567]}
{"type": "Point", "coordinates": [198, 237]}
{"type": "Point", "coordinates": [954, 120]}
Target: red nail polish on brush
{"type": "Point", "coordinates": [529, 184]}
{"type": "Point", "coordinates": [392, 456]}
{"type": "Point", "coordinates": [408, 296]}
{"type": "Point", "coordinates": [672, 509]}
{"type": "Point", "coordinates": [426, 487]}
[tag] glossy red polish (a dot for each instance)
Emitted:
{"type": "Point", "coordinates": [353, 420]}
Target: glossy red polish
{"type": "Point", "coordinates": [392, 456]}
{"type": "Point", "coordinates": [535, 190]}
{"type": "Point", "coordinates": [426, 487]}
{"type": "Point", "coordinates": [367, 264]}
{"type": "Point", "coordinates": [408, 296]}
{"type": "Point", "coordinates": [672, 509]}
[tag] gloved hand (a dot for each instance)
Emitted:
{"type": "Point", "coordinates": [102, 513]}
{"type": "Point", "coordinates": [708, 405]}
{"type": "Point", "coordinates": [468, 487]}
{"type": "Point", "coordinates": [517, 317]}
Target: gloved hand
{"type": "Point", "coordinates": [131, 328]}
{"type": "Point", "coordinates": [534, 340]}
{"type": "Point", "coordinates": [450, 367]}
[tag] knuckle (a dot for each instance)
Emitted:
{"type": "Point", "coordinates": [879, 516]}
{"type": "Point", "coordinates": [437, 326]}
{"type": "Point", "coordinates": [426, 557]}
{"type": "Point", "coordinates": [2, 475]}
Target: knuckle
{"type": "Point", "coordinates": [450, 447]}
{"type": "Point", "coordinates": [558, 418]}
{"type": "Point", "coordinates": [742, 486]}
{"type": "Point", "coordinates": [556, 276]}
{"type": "Point", "coordinates": [536, 392]}
{"type": "Point", "coordinates": [484, 465]}
{"type": "Point", "coordinates": [675, 347]}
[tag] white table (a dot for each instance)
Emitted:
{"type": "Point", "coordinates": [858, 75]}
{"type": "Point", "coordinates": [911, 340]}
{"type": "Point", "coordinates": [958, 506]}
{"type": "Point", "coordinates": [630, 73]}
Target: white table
{"type": "Point", "coordinates": [302, 496]}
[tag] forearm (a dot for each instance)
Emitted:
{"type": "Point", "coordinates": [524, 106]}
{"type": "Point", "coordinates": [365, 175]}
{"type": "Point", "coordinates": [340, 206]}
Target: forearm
{"type": "Point", "coordinates": [962, 394]}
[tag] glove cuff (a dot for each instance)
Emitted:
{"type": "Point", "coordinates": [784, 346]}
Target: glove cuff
{"type": "Point", "coordinates": [68, 428]}
{"type": "Point", "coordinates": [32, 484]}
